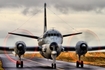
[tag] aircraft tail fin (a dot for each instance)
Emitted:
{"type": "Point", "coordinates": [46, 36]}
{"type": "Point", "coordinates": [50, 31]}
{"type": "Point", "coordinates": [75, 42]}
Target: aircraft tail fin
{"type": "Point", "coordinates": [45, 20]}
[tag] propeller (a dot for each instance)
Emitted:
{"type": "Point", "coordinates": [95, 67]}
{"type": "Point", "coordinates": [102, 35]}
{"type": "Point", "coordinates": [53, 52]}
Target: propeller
{"type": "Point", "coordinates": [87, 35]}
{"type": "Point", "coordinates": [10, 39]}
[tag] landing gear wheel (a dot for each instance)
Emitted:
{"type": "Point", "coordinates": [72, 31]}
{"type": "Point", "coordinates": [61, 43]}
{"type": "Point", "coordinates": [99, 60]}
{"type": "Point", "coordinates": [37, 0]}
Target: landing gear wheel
{"type": "Point", "coordinates": [53, 66]}
{"type": "Point", "coordinates": [82, 64]}
{"type": "Point", "coordinates": [21, 64]}
{"type": "Point", "coordinates": [79, 63]}
{"type": "Point", "coordinates": [17, 64]}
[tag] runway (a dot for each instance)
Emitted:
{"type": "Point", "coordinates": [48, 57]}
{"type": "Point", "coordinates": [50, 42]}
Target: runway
{"type": "Point", "coordinates": [42, 64]}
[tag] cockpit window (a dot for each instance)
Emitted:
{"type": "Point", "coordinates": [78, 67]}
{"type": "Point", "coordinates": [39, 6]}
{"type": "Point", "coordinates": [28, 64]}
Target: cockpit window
{"type": "Point", "coordinates": [58, 35]}
{"type": "Point", "coordinates": [51, 34]}
{"type": "Point", "coordinates": [55, 34]}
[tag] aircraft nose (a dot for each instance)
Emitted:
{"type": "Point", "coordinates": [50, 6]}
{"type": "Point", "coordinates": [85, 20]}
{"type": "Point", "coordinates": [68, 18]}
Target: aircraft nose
{"type": "Point", "coordinates": [53, 46]}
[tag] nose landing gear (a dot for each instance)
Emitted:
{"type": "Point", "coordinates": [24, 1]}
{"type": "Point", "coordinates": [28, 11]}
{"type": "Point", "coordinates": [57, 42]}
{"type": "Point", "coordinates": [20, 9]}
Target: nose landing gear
{"type": "Point", "coordinates": [54, 59]}
{"type": "Point", "coordinates": [54, 65]}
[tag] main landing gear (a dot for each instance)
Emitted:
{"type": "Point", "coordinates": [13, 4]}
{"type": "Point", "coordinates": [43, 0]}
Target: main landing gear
{"type": "Point", "coordinates": [19, 63]}
{"type": "Point", "coordinates": [79, 63]}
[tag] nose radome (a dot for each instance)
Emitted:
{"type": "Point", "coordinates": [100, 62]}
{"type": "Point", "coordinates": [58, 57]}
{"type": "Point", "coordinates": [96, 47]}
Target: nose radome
{"type": "Point", "coordinates": [53, 45]}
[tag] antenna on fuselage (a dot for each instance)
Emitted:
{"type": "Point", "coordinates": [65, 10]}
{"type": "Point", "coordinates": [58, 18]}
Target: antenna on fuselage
{"type": "Point", "coordinates": [45, 20]}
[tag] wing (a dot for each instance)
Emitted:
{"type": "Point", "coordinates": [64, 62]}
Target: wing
{"type": "Point", "coordinates": [6, 48]}
{"type": "Point", "coordinates": [28, 48]}
{"type": "Point", "coordinates": [90, 48]}
{"type": "Point", "coordinates": [69, 48]}
{"type": "Point", "coordinates": [93, 48]}
{"type": "Point", "coordinates": [33, 48]}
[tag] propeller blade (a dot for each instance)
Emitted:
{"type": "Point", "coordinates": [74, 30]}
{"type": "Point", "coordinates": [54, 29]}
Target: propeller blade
{"type": "Point", "coordinates": [87, 35]}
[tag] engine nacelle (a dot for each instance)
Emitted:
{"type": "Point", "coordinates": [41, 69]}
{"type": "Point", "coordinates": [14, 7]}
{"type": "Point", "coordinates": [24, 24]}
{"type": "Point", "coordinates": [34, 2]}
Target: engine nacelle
{"type": "Point", "coordinates": [20, 48]}
{"type": "Point", "coordinates": [81, 48]}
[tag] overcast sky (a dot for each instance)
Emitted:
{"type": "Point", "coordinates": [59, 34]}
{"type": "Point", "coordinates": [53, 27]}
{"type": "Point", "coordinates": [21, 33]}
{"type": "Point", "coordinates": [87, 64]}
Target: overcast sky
{"type": "Point", "coordinates": [67, 16]}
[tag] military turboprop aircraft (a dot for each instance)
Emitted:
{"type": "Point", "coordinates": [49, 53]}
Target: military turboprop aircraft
{"type": "Point", "coordinates": [50, 45]}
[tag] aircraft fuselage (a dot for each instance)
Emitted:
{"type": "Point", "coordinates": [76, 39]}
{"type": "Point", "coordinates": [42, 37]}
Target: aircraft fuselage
{"type": "Point", "coordinates": [51, 38]}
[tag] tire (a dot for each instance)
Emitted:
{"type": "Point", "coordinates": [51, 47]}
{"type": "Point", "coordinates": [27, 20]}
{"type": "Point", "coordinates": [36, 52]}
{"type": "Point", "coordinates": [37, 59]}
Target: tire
{"type": "Point", "coordinates": [82, 64]}
{"type": "Point", "coordinates": [53, 66]}
{"type": "Point", "coordinates": [77, 64]}
{"type": "Point", "coordinates": [21, 64]}
{"type": "Point", "coordinates": [17, 64]}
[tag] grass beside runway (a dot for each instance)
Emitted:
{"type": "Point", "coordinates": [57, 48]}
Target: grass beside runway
{"type": "Point", "coordinates": [1, 66]}
{"type": "Point", "coordinates": [92, 58]}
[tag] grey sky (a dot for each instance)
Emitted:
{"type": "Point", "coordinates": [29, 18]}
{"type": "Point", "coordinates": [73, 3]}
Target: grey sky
{"type": "Point", "coordinates": [80, 14]}
{"type": "Point", "coordinates": [61, 5]}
